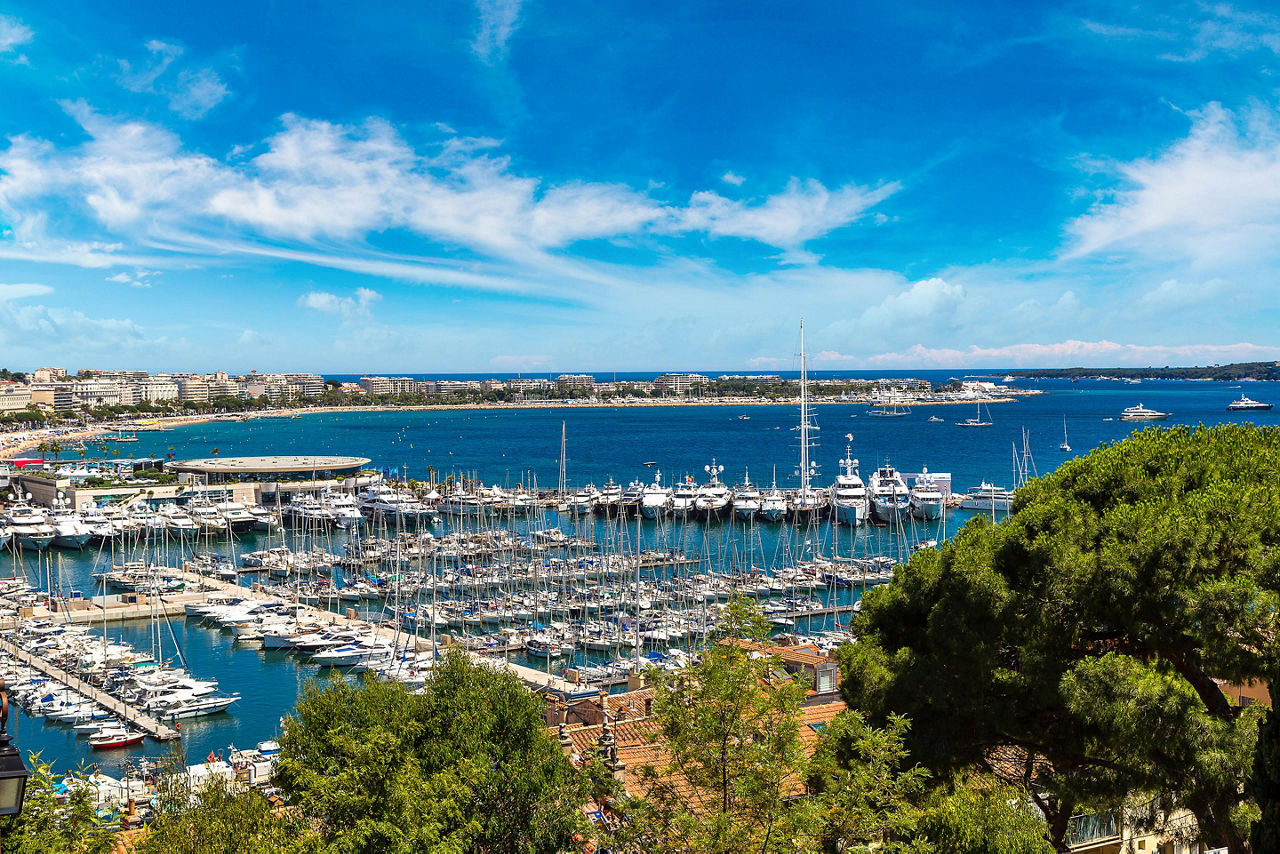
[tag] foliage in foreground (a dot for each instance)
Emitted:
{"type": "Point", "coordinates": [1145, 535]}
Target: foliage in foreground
{"type": "Point", "coordinates": [47, 826]}
{"type": "Point", "coordinates": [467, 766]}
{"type": "Point", "coordinates": [1086, 632]}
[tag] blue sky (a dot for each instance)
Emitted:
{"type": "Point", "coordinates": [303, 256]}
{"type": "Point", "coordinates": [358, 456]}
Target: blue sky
{"type": "Point", "coordinates": [498, 185]}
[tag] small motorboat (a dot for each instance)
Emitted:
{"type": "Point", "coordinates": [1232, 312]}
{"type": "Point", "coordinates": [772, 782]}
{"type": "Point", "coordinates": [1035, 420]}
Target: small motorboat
{"type": "Point", "coordinates": [106, 739]}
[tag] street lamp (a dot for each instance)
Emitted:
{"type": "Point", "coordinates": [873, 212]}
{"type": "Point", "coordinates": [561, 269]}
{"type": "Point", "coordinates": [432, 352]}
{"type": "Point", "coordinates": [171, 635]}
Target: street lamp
{"type": "Point", "coordinates": [13, 772]}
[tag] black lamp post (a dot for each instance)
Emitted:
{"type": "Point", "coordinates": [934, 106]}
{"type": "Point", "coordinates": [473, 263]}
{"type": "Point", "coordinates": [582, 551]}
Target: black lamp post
{"type": "Point", "coordinates": [13, 772]}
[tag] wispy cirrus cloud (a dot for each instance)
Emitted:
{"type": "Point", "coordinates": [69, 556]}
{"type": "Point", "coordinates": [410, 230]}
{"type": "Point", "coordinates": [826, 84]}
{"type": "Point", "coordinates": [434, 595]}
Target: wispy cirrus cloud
{"type": "Point", "coordinates": [191, 92]}
{"type": "Point", "coordinates": [498, 20]}
{"type": "Point", "coordinates": [319, 191]}
{"type": "Point", "coordinates": [23, 291]}
{"type": "Point", "coordinates": [1211, 198]}
{"type": "Point", "coordinates": [13, 34]}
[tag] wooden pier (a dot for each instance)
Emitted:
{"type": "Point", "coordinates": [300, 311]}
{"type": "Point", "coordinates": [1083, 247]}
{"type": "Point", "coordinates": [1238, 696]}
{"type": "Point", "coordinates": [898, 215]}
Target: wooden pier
{"type": "Point", "coordinates": [126, 713]}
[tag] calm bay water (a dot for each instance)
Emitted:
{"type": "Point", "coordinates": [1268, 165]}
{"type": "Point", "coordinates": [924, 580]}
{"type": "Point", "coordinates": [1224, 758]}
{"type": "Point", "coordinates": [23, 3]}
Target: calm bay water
{"type": "Point", "coordinates": [523, 445]}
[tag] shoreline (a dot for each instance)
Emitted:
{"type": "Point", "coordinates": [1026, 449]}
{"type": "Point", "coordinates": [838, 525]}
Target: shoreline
{"type": "Point", "coordinates": [28, 441]}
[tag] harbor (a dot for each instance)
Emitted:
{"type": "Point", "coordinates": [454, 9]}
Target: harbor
{"type": "Point", "coordinates": [535, 553]}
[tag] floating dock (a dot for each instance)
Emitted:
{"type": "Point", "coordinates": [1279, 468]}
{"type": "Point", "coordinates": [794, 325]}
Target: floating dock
{"type": "Point", "coordinates": [126, 713]}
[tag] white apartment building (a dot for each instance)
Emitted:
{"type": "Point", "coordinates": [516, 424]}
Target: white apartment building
{"type": "Point", "coordinates": [14, 397]}
{"type": "Point", "coordinates": [678, 383]}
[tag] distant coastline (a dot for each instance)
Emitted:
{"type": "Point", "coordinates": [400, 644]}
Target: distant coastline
{"type": "Point", "coordinates": [1235, 372]}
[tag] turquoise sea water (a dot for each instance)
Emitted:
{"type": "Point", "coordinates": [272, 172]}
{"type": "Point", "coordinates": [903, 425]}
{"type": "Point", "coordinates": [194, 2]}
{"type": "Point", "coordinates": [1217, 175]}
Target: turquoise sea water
{"type": "Point", "coordinates": [523, 445]}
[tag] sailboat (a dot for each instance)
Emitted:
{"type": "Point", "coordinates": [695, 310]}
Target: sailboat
{"type": "Point", "coordinates": [807, 500]}
{"type": "Point", "coordinates": [976, 421]}
{"type": "Point", "coordinates": [1064, 446]}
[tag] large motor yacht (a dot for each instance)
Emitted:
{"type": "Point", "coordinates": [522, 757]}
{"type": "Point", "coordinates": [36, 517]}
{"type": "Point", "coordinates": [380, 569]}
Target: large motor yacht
{"type": "Point", "coordinates": [849, 503]}
{"type": "Point", "coordinates": [889, 494]}
{"type": "Point", "coordinates": [1142, 413]}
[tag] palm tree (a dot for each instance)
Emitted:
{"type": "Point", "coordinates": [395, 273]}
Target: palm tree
{"type": "Point", "coordinates": [55, 448]}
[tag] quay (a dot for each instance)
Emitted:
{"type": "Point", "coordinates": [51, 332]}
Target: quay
{"type": "Point", "coordinates": [126, 713]}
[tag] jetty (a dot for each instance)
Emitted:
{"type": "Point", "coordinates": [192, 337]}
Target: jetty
{"type": "Point", "coordinates": [127, 714]}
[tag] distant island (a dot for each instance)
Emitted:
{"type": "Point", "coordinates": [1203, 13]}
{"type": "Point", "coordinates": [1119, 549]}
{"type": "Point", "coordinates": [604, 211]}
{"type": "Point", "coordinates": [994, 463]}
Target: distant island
{"type": "Point", "coordinates": [1226, 373]}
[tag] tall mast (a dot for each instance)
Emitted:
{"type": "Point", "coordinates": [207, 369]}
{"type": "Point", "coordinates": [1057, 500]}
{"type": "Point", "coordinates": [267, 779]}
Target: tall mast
{"type": "Point", "coordinates": [804, 415]}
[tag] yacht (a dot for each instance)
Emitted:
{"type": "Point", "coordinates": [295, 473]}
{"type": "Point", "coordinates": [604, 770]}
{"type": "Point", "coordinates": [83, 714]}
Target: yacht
{"type": "Point", "coordinates": [655, 500]}
{"type": "Point", "coordinates": [207, 518]}
{"type": "Point", "coordinates": [1142, 413]}
{"type": "Point", "coordinates": [631, 498]}
{"type": "Point", "coordinates": [609, 500]}
{"type": "Point", "coordinates": [849, 501]}
{"type": "Point", "coordinates": [381, 500]}
{"type": "Point", "coordinates": [889, 494]}
{"type": "Point", "coordinates": [459, 502]}
{"type": "Point", "coordinates": [176, 522]}
{"type": "Point", "coordinates": [238, 518]}
{"type": "Point", "coordinates": [773, 503]}
{"type": "Point", "coordinates": [987, 496]}
{"type": "Point", "coordinates": [306, 511]}
{"type": "Point", "coordinates": [31, 529]}
{"type": "Point", "coordinates": [343, 508]}
{"type": "Point", "coordinates": [584, 500]}
{"type": "Point", "coordinates": [713, 498]}
{"type": "Point", "coordinates": [806, 501]}
{"type": "Point", "coordinates": [684, 498]}
{"type": "Point", "coordinates": [263, 519]}
{"type": "Point", "coordinates": [926, 499]}
{"type": "Point", "coordinates": [977, 420]}
{"type": "Point", "coordinates": [69, 531]}
{"type": "Point", "coordinates": [746, 499]}
{"type": "Point", "coordinates": [1245, 404]}
{"type": "Point", "coordinates": [6, 534]}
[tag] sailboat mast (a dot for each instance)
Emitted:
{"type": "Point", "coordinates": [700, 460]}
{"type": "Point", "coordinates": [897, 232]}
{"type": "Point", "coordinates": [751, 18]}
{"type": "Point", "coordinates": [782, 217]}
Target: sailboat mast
{"type": "Point", "coordinates": [804, 416]}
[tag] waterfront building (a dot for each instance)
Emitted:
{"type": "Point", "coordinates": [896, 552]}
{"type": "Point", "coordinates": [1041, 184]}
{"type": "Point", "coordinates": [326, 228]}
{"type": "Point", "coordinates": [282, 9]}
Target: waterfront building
{"type": "Point", "coordinates": [751, 378]}
{"type": "Point", "coordinates": [566, 382]}
{"type": "Point", "coordinates": [527, 384]}
{"type": "Point", "coordinates": [157, 389]}
{"type": "Point", "coordinates": [389, 385]}
{"type": "Point", "coordinates": [190, 388]}
{"type": "Point", "coordinates": [14, 397]}
{"type": "Point", "coordinates": [58, 396]}
{"type": "Point", "coordinates": [679, 383]}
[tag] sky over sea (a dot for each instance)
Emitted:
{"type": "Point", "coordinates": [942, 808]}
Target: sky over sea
{"type": "Point", "coordinates": [498, 185]}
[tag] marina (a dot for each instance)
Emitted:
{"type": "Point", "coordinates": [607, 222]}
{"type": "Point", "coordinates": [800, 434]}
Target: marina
{"type": "Point", "coordinates": [493, 556]}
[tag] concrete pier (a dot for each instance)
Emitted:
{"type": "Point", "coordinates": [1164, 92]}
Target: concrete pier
{"type": "Point", "coordinates": [122, 710]}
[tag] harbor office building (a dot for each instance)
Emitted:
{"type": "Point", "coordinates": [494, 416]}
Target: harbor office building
{"type": "Point", "coordinates": [261, 480]}
{"type": "Point", "coordinates": [276, 479]}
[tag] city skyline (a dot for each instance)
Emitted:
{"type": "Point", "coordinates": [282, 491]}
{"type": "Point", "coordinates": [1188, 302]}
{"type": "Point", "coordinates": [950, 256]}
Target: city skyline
{"type": "Point", "coordinates": [504, 186]}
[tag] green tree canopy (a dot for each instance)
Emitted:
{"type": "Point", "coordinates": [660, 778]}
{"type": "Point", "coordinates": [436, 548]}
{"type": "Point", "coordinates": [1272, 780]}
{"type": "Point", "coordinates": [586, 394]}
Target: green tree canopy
{"type": "Point", "coordinates": [1083, 635]}
{"type": "Point", "coordinates": [468, 765]}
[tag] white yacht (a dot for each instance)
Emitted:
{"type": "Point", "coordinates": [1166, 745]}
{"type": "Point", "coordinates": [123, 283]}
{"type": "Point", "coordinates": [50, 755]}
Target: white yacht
{"type": "Point", "coordinates": [176, 522]}
{"type": "Point", "coordinates": [927, 499]}
{"type": "Point", "coordinates": [1142, 413]}
{"type": "Point", "coordinates": [69, 532]}
{"type": "Point", "coordinates": [609, 499]}
{"type": "Point", "coordinates": [712, 501]}
{"type": "Point", "coordinates": [207, 519]}
{"type": "Point", "coordinates": [31, 529]}
{"type": "Point", "coordinates": [459, 502]}
{"type": "Point", "coordinates": [584, 500]}
{"type": "Point", "coordinates": [773, 503]}
{"type": "Point", "coordinates": [890, 497]}
{"type": "Point", "coordinates": [746, 499]}
{"type": "Point", "coordinates": [6, 534]}
{"type": "Point", "coordinates": [343, 508]}
{"type": "Point", "coordinates": [987, 497]}
{"type": "Point", "coordinates": [306, 511]}
{"type": "Point", "coordinates": [849, 501]}
{"type": "Point", "coordinates": [381, 500]}
{"type": "Point", "coordinates": [238, 518]}
{"type": "Point", "coordinates": [655, 500]}
{"type": "Point", "coordinates": [684, 498]}
{"type": "Point", "coordinates": [632, 496]}
{"type": "Point", "coordinates": [1246, 404]}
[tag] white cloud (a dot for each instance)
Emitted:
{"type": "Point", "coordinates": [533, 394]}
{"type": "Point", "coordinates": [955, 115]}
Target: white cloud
{"type": "Point", "coordinates": [1211, 198]}
{"type": "Point", "coordinates": [355, 307]}
{"type": "Point", "coordinates": [803, 211]}
{"type": "Point", "coordinates": [733, 178]}
{"type": "Point", "coordinates": [498, 22]}
{"type": "Point", "coordinates": [191, 93]}
{"type": "Point", "coordinates": [13, 33]}
{"type": "Point", "coordinates": [197, 92]}
{"type": "Point", "coordinates": [23, 291]}
{"type": "Point", "coordinates": [136, 279]}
